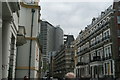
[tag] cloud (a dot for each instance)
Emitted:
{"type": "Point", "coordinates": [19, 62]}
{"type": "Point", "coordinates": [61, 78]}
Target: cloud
{"type": "Point", "coordinates": [78, 0]}
{"type": "Point", "coordinates": [72, 16]}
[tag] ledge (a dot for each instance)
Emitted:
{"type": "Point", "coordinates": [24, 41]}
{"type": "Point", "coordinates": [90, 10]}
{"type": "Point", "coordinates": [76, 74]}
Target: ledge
{"type": "Point", "coordinates": [29, 6]}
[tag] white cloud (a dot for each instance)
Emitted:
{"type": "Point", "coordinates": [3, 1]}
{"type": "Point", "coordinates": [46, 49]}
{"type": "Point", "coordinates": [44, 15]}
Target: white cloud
{"type": "Point", "coordinates": [78, 0]}
{"type": "Point", "coordinates": [72, 16]}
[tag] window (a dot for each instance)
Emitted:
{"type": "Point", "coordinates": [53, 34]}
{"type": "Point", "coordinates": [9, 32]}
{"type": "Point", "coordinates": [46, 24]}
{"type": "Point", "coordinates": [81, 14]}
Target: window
{"type": "Point", "coordinates": [93, 54]}
{"type": "Point", "coordinates": [79, 59]}
{"type": "Point", "coordinates": [100, 37]}
{"type": "Point", "coordinates": [106, 34]}
{"type": "Point", "coordinates": [118, 19]}
{"type": "Point", "coordinates": [104, 52]}
{"type": "Point", "coordinates": [97, 39]}
{"type": "Point", "coordinates": [106, 55]}
{"type": "Point", "coordinates": [108, 18]}
{"type": "Point", "coordinates": [111, 67]}
{"type": "Point", "coordinates": [98, 53]}
{"type": "Point", "coordinates": [82, 59]}
{"type": "Point", "coordinates": [101, 53]}
{"type": "Point", "coordinates": [103, 21]}
{"type": "Point", "coordinates": [93, 40]}
{"type": "Point", "coordinates": [87, 45]}
{"type": "Point", "coordinates": [100, 24]}
{"type": "Point", "coordinates": [118, 33]}
{"type": "Point", "coordinates": [105, 68]}
{"type": "Point", "coordinates": [101, 71]}
{"type": "Point", "coordinates": [107, 51]}
{"type": "Point", "coordinates": [79, 49]}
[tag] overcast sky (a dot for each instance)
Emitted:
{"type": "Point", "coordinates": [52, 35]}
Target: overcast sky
{"type": "Point", "coordinates": [72, 16]}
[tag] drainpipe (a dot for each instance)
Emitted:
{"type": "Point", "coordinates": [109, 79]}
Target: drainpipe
{"type": "Point", "coordinates": [33, 11]}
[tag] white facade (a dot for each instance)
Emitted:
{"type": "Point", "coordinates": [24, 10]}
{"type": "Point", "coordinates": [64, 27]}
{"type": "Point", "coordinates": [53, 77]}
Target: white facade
{"type": "Point", "coordinates": [9, 34]}
{"type": "Point", "coordinates": [27, 17]}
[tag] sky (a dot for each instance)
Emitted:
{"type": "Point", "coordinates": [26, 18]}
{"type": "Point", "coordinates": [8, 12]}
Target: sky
{"type": "Point", "coordinates": [72, 16]}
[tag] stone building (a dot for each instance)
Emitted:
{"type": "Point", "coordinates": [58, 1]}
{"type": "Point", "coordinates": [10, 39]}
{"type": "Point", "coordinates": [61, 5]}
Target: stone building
{"type": "Point", "coordinates": [64, 59]}
{"type": "Point", "coordinates": [99, 46]}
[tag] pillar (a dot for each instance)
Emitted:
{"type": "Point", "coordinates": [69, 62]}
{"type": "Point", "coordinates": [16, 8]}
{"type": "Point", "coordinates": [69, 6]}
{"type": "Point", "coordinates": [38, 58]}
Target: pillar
{"type": "Point", "coordinates": [5, 47]}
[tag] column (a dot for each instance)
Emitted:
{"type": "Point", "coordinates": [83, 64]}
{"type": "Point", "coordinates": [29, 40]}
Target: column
{"type": "Point", "coordinates": [0, 48]}
{"type": "Point", "coordinates": [5, 47]}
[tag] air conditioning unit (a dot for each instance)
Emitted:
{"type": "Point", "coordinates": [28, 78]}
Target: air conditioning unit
{"type": "Point", "coordinates": [21, 31]}
{"type": "Point", "coordinates": [21, 36]}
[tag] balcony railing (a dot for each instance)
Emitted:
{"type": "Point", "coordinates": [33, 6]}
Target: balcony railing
{"type": "Point", "coordinates": [96, 58]}
{"type": "Point", "coordinates": [106, 58]}
{"type": "Point", "coordinates": [81, 63]}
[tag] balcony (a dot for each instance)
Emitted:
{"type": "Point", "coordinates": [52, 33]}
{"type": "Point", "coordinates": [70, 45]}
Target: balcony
{"type": "Point", "coordinates": [106, 58]}
{"type": "Point", "coordinates": [81, 63]}
{"type": "Point", "coordinates": [21, 36]}
{"type": "Point", "coordinates": [8, 8]}
{"type": "Point", "coordinates": [96, 58]}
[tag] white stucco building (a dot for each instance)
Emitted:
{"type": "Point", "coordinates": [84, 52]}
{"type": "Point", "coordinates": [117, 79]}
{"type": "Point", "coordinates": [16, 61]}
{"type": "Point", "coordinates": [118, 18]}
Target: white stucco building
{"type": "Point", "coordinates": [28, 55]}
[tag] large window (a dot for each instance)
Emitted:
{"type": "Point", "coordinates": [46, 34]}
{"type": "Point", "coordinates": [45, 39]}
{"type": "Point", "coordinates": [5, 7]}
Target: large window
{"type": "Point", "coordinates": [101, 71]}
{"type": "Point", "coordinates": [106, 34]}
{"type": "Point", "coordinates": [107, 51]}
{"type": "Point", "coordinates": [93, 53]}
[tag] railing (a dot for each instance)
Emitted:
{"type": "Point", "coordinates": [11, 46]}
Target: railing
{"type": "Point", "coordinates": [96, 58]}
{"type": "Point", "coordinates": [81, 63]}
{"type": "Point", "coordinates": [106, 58]}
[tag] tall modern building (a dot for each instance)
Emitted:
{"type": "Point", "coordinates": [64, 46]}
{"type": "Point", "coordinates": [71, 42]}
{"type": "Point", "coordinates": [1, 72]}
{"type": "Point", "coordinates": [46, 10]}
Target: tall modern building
{"type": "Point", "coordinates": [58, 38]}
{"type": "Point", "coordinates": [51, 40]}
{"type": "Point", "coordinates": [28, 55]}
{"type": "Point", "coordinates": [98, 53]}
{"type": "Point", "coordinates": [51, 37]}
